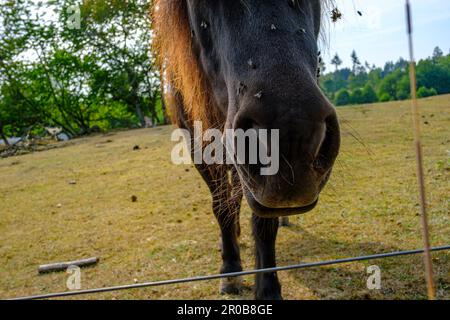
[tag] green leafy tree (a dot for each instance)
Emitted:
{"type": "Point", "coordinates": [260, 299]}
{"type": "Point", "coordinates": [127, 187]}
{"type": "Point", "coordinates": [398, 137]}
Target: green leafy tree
{"type": "Point", "coordinates": [388, 68]}
{"type": "Point", "coordinates": [437, 54]}
{"type": "Point", "coordinates": [368, 94]}
{"type": "Point", "coordinates": [342, 98]}
{"type": "Point", "coordinates": [374, 77]}
{"type": "Point", "coordinates": [120, 39]}
{"type": "Point", "coordinates": [84, 65]}
{"type": "Point", "coordinates": [434, 75]}
{"type": "Point", "coordinates": [403, 88]}
{"type": "Point", "coordinates": [389, 84]}
{"type": "Point", "coordinates": [357, 81]}
{"type": "Point", "coordinates": [425, 92]}
{"type": "Point", "coordinates": [357, 97]}
{"type": "Point", "coordinates": [385, 97]}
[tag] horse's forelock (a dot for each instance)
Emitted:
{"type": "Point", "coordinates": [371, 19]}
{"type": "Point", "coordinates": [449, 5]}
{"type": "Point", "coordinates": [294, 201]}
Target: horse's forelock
{"type": "Point", "coordinates": [179, 67]}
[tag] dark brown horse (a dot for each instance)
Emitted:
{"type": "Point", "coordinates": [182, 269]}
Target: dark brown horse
{"type": "Point", "coordinates": [250, 64]}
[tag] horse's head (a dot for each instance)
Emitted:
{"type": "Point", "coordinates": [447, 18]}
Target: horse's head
{"type": "Point", "coordinates": [260, 58]}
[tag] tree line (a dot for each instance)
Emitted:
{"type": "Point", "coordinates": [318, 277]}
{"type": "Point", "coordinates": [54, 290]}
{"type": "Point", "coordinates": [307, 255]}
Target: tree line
{"type": "Point", "coordinates": [365, 83]}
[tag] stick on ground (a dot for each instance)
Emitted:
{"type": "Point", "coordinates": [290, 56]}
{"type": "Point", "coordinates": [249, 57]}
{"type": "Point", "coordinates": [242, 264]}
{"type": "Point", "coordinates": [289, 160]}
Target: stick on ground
{"type": "Point", "coordinates": [62, 266]}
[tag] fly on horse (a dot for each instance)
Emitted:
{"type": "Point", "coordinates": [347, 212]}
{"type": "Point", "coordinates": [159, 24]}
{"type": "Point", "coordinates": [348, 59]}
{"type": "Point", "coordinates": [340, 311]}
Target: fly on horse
{"type": "Point", "coordinates": [249, 64]}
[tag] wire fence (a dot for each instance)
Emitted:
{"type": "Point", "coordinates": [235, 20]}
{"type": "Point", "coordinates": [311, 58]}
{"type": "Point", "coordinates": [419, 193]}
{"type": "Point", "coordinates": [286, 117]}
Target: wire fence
{"type": "Point", "coordinates": [230, 275]}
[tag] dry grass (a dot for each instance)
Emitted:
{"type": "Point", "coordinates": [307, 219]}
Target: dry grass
{"type": "Point", "coordinates": [369, 207]}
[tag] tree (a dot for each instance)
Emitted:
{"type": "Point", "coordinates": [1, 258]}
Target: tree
{"type": "Point", "coordinates": [336, 61]}
{"type": "Point", "coordinates": [425, 92]}
{"type": "Point", "coordinates": [403, 88]}
{"type": "Point", "coordinates": [98, 72]}
{"type": "Point", "coordinates": [389, 67]}
{"type": "Point", "coordinates": [21, 33]}
{"type": "Point", "coordinates": [437, 54]}
{"type": "Point", "coordinates": [356, 81]}
{"type": "Point", "coordinates": [342, 98]}
{"type": "Point", "coordinates": [374, 77]}
{"type": "Point", "coordinates": [401, 64]}
{"type": "Point", "coordinates": [355, 62]}
{"type": "Point", "coordinates": [357, 97]}
{"type": "Point", "coordinates": [121, 39]}
{"type": "Point", "coordinates": [389, 84]}
{"type": "Point", "coordinates": [2, 133]}
{"type": "Point", "coordinates": [368, 94]}
{"type": "Point", "coordinates": [434, 75]}
{"type": "Point", "coordinates": [385, 97]}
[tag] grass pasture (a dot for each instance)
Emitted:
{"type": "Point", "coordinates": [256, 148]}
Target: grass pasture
{"type": "Point", "coordinates": [75, 202]}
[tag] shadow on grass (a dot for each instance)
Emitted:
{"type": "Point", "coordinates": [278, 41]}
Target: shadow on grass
{"type": "Point", "coordinates": [401, 277]}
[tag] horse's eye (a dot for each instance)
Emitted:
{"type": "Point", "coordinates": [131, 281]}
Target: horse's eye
{"type": "Point", "coordinates": [202, 34]}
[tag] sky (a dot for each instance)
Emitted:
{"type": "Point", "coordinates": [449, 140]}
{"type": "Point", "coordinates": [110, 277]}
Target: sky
{"type": "Point", "coordinates": [379, 35]}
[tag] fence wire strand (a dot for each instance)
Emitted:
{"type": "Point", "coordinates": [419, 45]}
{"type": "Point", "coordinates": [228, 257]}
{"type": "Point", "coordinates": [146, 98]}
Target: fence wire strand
{"type": "Point", "coordinates": [229, 275]}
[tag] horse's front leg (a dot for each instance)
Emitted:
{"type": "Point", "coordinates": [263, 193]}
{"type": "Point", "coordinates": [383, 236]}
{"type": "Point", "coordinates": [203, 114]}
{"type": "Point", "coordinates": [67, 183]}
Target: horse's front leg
{"type": "Point", "coordinates": [227, 196]}
{"type": "Point", "coordinates": [267, 286]}
{"type": "Point", "coordinates": [228, 219]}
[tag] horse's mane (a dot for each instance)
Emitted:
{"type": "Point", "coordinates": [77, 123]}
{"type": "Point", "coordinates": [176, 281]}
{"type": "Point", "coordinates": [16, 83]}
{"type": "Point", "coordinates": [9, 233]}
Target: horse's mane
{"type": "Point", "coordinates": [179, 68]}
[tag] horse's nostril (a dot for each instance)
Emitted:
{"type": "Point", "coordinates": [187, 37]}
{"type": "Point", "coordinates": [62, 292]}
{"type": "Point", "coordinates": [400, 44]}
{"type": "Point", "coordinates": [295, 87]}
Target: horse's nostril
{"type": "Point", "coordinates": [329, 147]}
{"type": "Point", "coordinates": [318, 140]}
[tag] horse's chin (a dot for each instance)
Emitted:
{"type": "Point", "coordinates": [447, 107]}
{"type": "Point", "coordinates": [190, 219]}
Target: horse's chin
{"type": "Point", "coordinates": [266, 212]}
